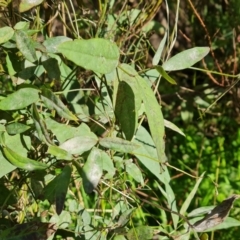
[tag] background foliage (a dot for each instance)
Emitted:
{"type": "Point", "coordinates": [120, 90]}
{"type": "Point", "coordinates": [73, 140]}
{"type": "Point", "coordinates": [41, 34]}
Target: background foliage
{"type": "Point", "coordinates": [107, 129]}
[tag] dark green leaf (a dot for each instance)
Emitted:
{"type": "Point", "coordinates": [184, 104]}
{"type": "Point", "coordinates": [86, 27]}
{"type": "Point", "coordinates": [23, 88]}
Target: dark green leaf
{"type": "Point", "coordinates": [125, 109]}
{"type": "Point", "coordinates": [128, 102]}
{"type": "Point", "coordinates": [52, 68]}
{"type": "Point", "coordinates": [29, 231]}
{"type": "Point", "coordinates": [37, 187]}
{"type": "Point", "coordinates": [54, 187]}
{"type": "Point", "coordinates": [62, 187]}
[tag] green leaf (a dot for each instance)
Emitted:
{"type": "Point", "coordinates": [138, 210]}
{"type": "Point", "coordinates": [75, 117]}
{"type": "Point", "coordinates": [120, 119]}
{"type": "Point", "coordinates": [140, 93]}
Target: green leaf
{"type": "Point", "coordinates": [165, 75]}
{"type": "Point", "coordinates": [79, 144]}
{"type": "Point", "coordinates": [52, 68]}
{"type": "Point", "coordinates": [147, 155]}
{"type": "Point", "coordinates": [16, 142]}
{"type": "Point", "coordinates": [154, 115]}
{"type": "Point", "coordinates": [62, 221]}
{"type": "Point", "coordinates": [140, 233]}
{"type": "Point", "coordinates": [200, 211]}
{"type": "Point", "coordinates": [22, 25]}
{"type": "Point", "coordinates": [52, 43]}
{"type": "Point", "coordinates": [92, 170]}
{"type": "Point", "coordinates": [40, 126]}
{"type": "Point", "coordinates": [190, 196]}
{"type": "Point", "coordinates": [25, 45]}
{"type": "Point", "coordinates": [37, 187]}
{"type": "Point", "coordinates": [6, 34]}
{"type": "Point", "coordinates": [125, 217]}
{"type": "Point", "coordinates": [173, 127]}
{"type": "Point", "coordinates": [10, 64]}
{"type": "Point", "coordinates": [118, 144]}
{"type": "Point", "coordinates": [20, 99]}
{"type": "Point", "coordinates": [56, 190]}
{"type": "Point", "coordinates": [99, 55]}
{"type": "Point", "coordinates": [6, 166]}
{"type": "Point", "coordinates": [128, 102]}
{"type": "Point", "coordinates": [16, 128]}
{"type": "Point", "coordinates": [26, 5]}
{"type": "Point", "coordinates": [125, 109]}
{"type": "Point", "coordinates": [119, 237]}
{"type": "Point", "coordinates": [107, 165]}
{"type": "Point", "coordinates": [51, 101]}
{"type": "Point", "coordinates": [22, 162]}
{"type": "Point", "coordinates": [62, 187]}
{"type": "Point", "coordinates": [158, 54]}
{"type": "Point", "coordinates": [169, 195]}
{"type": "Point", "coordinates": [153, 111]}
{"type": "Point", "coordinates": [64, 132]}
{"type": "Point", "coordinates": [134, 171]}
{"type": "Point", "coordinates": [59, 153]}
{"type": "Point", "coordinates": [172, 202]}
{"type": "Point", "coordinates": [185, 59]}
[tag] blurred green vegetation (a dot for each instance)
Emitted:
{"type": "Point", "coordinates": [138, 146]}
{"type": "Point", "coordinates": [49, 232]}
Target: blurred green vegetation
{"type": "Point", "coordinates": [205, 105]}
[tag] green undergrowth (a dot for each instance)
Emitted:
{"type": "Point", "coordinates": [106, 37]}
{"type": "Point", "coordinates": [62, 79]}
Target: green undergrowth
{"type": "Point", "coordinates": [94, 142]}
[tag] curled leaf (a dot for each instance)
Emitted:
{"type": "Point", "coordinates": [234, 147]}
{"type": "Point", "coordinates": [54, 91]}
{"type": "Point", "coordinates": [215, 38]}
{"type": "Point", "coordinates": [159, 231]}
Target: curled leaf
{"type": "Point", "coordinates": [22, 162]}
{"type": "Point", "coordinates": [216, 216]}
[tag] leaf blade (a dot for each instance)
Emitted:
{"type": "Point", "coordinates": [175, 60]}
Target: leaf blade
{"type": "Point", "coordinates": [18, 99]}
{"type": "Point", "coordinates": [99, 55]}
{"type": "Point", "coordinates": [92, 170]}
{"type": "Point", "coordinates": [185, 59]}
{"type": "Point", "coordinates": [25, 45]}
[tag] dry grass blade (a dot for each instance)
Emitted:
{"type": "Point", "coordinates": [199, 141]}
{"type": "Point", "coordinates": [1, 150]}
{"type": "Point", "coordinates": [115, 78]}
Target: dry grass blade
{"type": "Point", "coordinates": [216, 216]}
